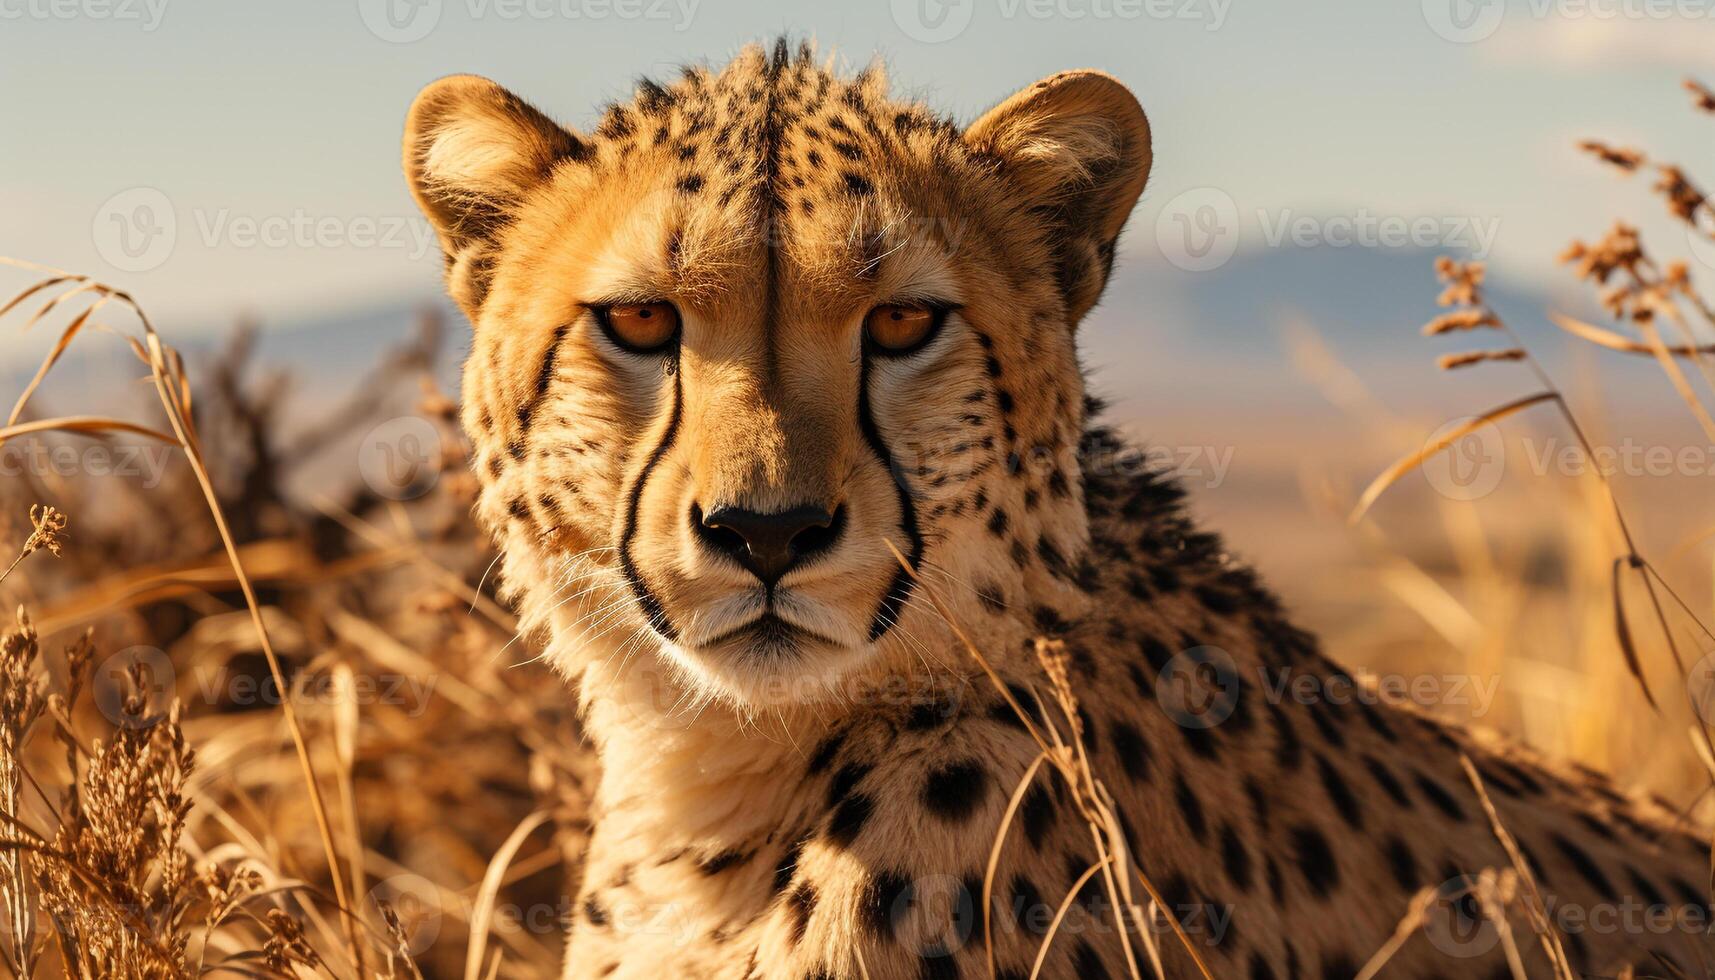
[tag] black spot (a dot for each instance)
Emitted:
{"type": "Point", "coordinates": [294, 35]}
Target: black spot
{"type": "Point", "coordinates": [1140, 681]}
{"type": "Point", "coordinates": [1048, 620]}
{"type": "Point", "coordinates": [1316, 861]}
{"type": "Point", "coordinates": [1091, 737]}
{"type": "Point", "coordinates": [787, 866]}
{"type": "Point", "coordinates": [1402, 863]}
{"type": "Point", "coordinates": [691, 183]}
{"type": "Point", "coordinates": [858, 186]}
{"type": "Point", "coordinates": [1276, 882]}
{"type": "Point", "coordinates": [1688, 893]}
{"type": "Point", "coordinates": [1190, 808]}
{"type": "Point", "coordinates": [998, 522]}
{"type": "Point", "coordinates": [1088, 965]}
{"type": "Point", "coordinates": [849, 818]}
{"type": "Point", "coordinates": [992, 597]}
{"type": "Point", "coordinates": [1328, 725]}
{"type": "Point", "coordinates": [1585, 866]}
{"type": "Point", "coordinates": [954, 792]}
{"type": "Point", "coordinates": [1090, 892]}
{"type": "Point", "coordinates": [1260, 970]}
{"type": "Point", "coordinates": [1437, 794]}
{"type": "Point", "coordinates": [1176, 898]}
{"type": "Point", "coordinates": [1339, 966]}
{"type": "Point", "coordinates": [937, 964]}
{"type": "Point", "coordinates": [1288, 749]}
{"type": "Point", "coordinates": [1217, 601]}
{"type": "Point", "coordinates": [1235, 857]}
{"type": "Point", "coordinates": [1458, 888]}
{"type": "Point", "coordinates": [799, 907]}
{"type": "Point", "coordinates": [717, 863]}
{"type": "Point", "coordinates": [825, 753]}
{"type": "Point", "coordinates": [1645, 888]}
{"type": "Point", "coordinates": [1201, 741]}
{"type": "Point", "coordinates": [845, 781]}
{"type": "Point", "coordinates": [1259, 802]}
{"type": "Point", "coordinates": [886, 902]}
{"type": "Point", "coordinates": [594, 914]}
{"type": "Point", "coordinates": [1156, 652]}
{"type": "Point", "coordinates": [1132, 750]}
{"type": "Point", "coordinates": [1037, 813]}
{"type": "Point", "coordinates": [1029, 909]}
{"type": "Point", "coordinates": [1384, 777]}
{"type": "Point", "coordinates": [925, 715]}
{"type": "Point", "coordinates": [1377, 720]}
{"type": "Point", "coordinates": [1340, 794]}
{"type": "Point", "coordinates": [1051, 557]}
{"type": "Point", "coordinates": [1596, 826]}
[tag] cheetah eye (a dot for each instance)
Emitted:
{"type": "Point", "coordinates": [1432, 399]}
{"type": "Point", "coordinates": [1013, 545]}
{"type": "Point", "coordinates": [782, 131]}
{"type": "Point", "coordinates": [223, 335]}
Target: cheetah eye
{"type": "Point", "coordinates": [898, 328]}
{"type": "Point", "coordinates": [641, 328]}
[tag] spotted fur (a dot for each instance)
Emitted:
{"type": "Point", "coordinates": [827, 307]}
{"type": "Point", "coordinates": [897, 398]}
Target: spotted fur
{"type": "Point", "coordinates": [818, 796]}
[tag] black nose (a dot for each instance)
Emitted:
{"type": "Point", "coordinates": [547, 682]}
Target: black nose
{"type": "Point", "coordinates": [767, 544]}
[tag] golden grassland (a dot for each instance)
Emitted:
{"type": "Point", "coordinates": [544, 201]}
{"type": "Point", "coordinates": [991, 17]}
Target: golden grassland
{"type": "Point", "coordinates": [417, 805]}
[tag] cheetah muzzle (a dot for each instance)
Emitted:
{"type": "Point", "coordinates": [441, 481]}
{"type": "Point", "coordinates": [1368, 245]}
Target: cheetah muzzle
{"type": "Point", "coordinates": [763, 326]}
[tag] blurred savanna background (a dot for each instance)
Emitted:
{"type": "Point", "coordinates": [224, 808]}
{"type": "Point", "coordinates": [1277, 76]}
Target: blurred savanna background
{"type": "Point", "coordinates": [287, 502]}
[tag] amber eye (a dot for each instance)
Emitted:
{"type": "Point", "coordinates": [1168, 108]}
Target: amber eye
{"type": "Point", "coordinates": [640, 327]}
{"type": "Point", "coordinates": [894, 328]}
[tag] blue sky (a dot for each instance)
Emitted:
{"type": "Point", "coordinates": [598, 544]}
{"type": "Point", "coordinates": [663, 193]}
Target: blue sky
{"type": "Point", "coordinates": [260, 141]}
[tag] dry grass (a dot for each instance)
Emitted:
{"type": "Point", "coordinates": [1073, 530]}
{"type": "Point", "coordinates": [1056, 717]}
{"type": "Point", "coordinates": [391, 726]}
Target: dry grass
{"type": "Point", "coordinates": [416, 804]}
{"type": "Point", "coordinates": [411, 784]}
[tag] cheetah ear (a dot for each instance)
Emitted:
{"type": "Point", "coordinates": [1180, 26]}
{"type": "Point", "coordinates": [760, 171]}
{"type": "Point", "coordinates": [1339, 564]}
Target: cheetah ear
{"type": "Point", "coordinates": [472, 152]}
{"type": "Point", "coordinates": [1076, 145]}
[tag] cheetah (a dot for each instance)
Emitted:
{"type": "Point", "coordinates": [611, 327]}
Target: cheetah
{"type": "Point", "coordinates": [767, 330]}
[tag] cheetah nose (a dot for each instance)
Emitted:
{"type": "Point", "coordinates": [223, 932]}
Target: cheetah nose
{"type": "Point", "coordinates": [768, 544]}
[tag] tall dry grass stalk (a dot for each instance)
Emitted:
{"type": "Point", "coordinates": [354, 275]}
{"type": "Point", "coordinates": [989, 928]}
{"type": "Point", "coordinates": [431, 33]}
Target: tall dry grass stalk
{"type": "Point", "coordinates": [1640, 292]}
{"type": "Point", "coordinates": [126, 854]}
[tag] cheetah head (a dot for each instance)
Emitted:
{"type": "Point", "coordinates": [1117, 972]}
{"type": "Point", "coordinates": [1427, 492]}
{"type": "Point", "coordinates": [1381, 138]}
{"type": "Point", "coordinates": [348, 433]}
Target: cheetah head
{"type": "Point", "coordinates": [759, 324]}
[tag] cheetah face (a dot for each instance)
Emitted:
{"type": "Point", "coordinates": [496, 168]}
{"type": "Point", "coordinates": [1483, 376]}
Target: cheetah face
{"type": "Point", "coordinates": [761, 325]}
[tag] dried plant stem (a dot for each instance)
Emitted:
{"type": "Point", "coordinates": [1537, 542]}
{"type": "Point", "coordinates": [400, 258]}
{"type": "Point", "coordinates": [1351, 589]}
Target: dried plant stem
{"type": "Point", "coordinates": [171, 401]}
{"type": "Point", "coordinates": [173, 388]}
{"type": "Point", "coordinates": [1535, 907]}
